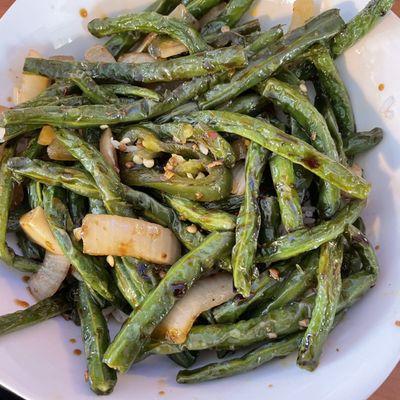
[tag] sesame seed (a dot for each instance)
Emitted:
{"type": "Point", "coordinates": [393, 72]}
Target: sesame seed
{"type": "Point", "coordinates": [200, 175]}
{"type": "Point", "coordinates": [225, 29]}
{"type": "Point", "coordinates": [313, 136]}
{"type": "Point", "coordinates": [272, 335]}
{"type": "Point", "coordinates": [148, 163]}
{"type": "Point", "coordinates": [203, 149]}
{"type": "Point", "coordinates": [189, 175]}
{"type": "Point", "coordinates": [192, 228]}
{"type": "Point", "coordinates": [125, 140]}
{"type": "Point", "coordinates": [199, 195]}
{"type": "Point", "coordinates": [104, 127]}
{"type": "Point", "coordinates": [137, 159]}
{"type": "Point", "coordinates": [110, 260]}
{"type": "Point", "coordinates": [303, 87]}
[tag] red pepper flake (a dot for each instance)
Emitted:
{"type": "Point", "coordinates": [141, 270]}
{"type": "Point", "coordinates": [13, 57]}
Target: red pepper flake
{"type": "Point", "coordinates": [26, 278]}
{"type": "Point", "coordinates": [86, 375]}
{"type": "Point", "coordinates": [381, 87]}
{"type": "Point", "coordinates": [21, 303]}
{"type": "Point", "coordinates": [397, 323]}
{"type": "Point", "coordinates": [377, 247]}
{"type": "Point", "coordinates": [83, 13]}
{"type": "Point", "coordinates": [270, 385]}
{"type": "Point", "coordinates": [77, 352]}
{"type": "Point", "coordinates": [212, 135]}
{"type": "Point", "coordinates": [161, 393]}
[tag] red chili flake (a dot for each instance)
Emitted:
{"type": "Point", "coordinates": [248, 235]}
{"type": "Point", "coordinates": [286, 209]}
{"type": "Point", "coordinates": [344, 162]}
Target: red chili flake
{"type": "Point", "coordinates": [381, 87]}
{"type": "Point", "coordinates": [212, 135]}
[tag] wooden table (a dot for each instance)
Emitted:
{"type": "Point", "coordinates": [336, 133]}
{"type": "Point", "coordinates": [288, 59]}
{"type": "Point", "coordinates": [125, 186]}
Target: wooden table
{"type": "Point", "coordinates": [391, 387]}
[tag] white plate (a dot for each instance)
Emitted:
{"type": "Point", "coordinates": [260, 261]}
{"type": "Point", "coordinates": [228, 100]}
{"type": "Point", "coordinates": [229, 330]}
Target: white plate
{"type": "Point", "coordinates": [39, 364]}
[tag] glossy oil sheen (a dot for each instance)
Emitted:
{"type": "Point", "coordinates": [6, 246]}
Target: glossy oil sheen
{"type": "Point", "coordinates": [39, 363]}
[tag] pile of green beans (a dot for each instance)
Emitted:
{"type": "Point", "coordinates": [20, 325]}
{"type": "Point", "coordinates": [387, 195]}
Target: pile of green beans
{"type": "Point", "coordinates": [223, 145]}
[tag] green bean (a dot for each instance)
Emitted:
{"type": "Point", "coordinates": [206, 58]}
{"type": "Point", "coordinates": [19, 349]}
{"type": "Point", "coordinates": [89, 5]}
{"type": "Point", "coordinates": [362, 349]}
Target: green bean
{"type": "Point", "coordinates": [200, 7]}
{"type": "Point", "coordinates": [230, 204]}
{"type": "Point", "coordinates": [97, 207]}
{"type": "Point", "coordinates": [215, 186]}
{"type": "Point", "coordinates": [264, 40]}
{"type": "Point", "coordinates": [33, 149]}
{"type": "Point", "coordinates": [248, 362]}
{"type": "Point", "coordinates": [324, 107]}
{"type": "Point", "coordinates": [270, 219]}
{"type": "Point", "coordinates": [206, 219]}
{"type": "Point", "coordinates": [77, 208]}
{"type": "Point", "coordinates": [96, 115]}
{"type": "Point", "coordinates": [135, 333]}
{"type": "Point", "coordinates": [310, 119]}
{"type": "Point", "coordinates": [96, 340]}
{"type": "Point", "coordinates": [326, 304]}
{"type": "Point", "coordinates": [295, 284]}
{"type": "Point", "coordinates": [240, 34]}
{"type": "Point", "coordinates": [334, 88]}
{"type": "Point", "coordinates": [286, 146]}
{"type": "Point", "coordinates": [366, 252]}
{"type": "Point", "coordinates": [41, 311]}
{"type": "Point", "coordinates": [6, 190]}
{"type": "Point", "coordinates": [29, 249]}
{"type": "Point", "coordinates": [329, 23]}
{"type": "Point", "coordinates": [229, 17]}
{"type": "Point", "coordinates": [19, 130]}
{"type": "Point", "coordinates": [53, 174]}
{"type": "Point", "coordinates": [160, 71]}
{"type": "Point", "coordinates": [123, 42]}
{"type": "Point", "coordinates": [361, 142]}
{"type": "Point", "coordinates": [184, 359]}
{"type": "Point", "coordinates": [248, 221]}
{"type": "Point", "coordinates": [284, 180]}
{"type": "Point", "coordinates": [93, 273]}
{"type": "Point", "coordinates": [14, 217]}
{"type": "Point", "coordinates": [360, 25]}
{"type": "Point", "coordinates": [149, 22]}
{"type": "Point", "coordinates": [263, 288]}
{"type": "Point", "coordinates": [183, 109]}
{"type": "Point", "coordinates": [307, 239]}
{"type": "Point", "coordinates": [249, 104]}
{"type": "Point", "coordinates": [131, 91]}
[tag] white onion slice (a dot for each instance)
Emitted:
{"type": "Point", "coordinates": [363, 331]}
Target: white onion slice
{"type": "Point", "coordinates": [136, 58]}
{"type": "Point", "coordinates": [239, 179]}
{"type": "Point", "coordinates": [105, 235]}
{"type": "Point", "coordinates": [99, 53]}
{"type": "Point", "coordinates": [31, 85]}
{"type": "Point", "coordinates": [303, 10]}
{"type": "Point", "coordinates": [36, 227]}
{"type": "Point", "coordinates": [45, 282]}
{"type": "Point", "coordinates": [205, 294]}
{"type": "Point", "coordinates": [108, 150]}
